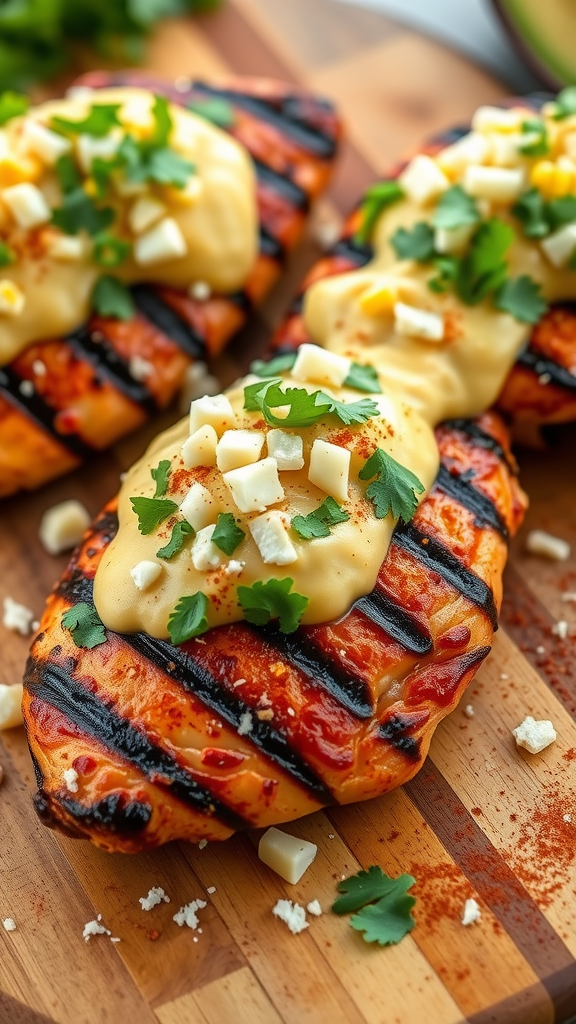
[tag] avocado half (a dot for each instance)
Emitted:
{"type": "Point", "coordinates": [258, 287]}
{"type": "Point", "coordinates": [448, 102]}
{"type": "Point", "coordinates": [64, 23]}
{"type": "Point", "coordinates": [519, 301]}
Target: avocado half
{"type": "Point", "coordinates": [544, 34]}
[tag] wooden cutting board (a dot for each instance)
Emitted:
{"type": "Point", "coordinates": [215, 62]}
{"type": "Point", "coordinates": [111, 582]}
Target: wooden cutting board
{"type": "Point", "coordinates": [481, 819]}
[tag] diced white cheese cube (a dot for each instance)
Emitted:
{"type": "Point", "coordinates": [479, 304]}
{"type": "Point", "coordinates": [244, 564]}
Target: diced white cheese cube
{"type": "Point", "coordinates": [67, 248]}
{"type": "Point", "coordinates": [422, 180]}
{"type": "Point", "coordinates": [449, 240]}
{"type": "Point", "coordinates": [163, 242]}
{"type": "Point", "coordinates": [470, 149]}
{"type": "Point", "coordinates": [494, 119]}
{"type": "Point", "coordinates": [506, 148]}
{"type": "Point", "coordinates": [534, 735]}
{"type": "Point", "coordinates": [238, 448]}
{"type": "Point", "coordinates": [330, 468]}
{"type": "Point", "coordinates": [314, 908]}
{"type": "Point", "coordinates": [136, 112]}
{"type": "Point", "coordinates": [70, 777]}
{"type": "Point", "coordinates": [63, 525]}
{"type": "Point", "coordinates": [214, 410]}
{"type": "Point", "coordinates": [471, 913]}
{"type": "Point", "coordinates": [287, 855]}
{"type": "Point", "coordinates": [286, 448]}
{"type": "Point", "coordinates": [292, 914]}
{"type": "Point", "coordinates": [561, 629]}
{"type": "Point", "coordinates": [10, 705]}
{"type": "Point", "coordinates": [271, 538]}
{"type": "Point", "coordinates": [79, 93]}
{"type": "Point", "coordinates": [418, 323]}
{"type": "Point", "coordinates": [144, 213]}
{"type": "Point", "coordinates": [17, 617]}
{"type": "Point", "coordinates": [43, 143]}
{"type": "Point", "coordinates": [12, 298]}
{"type": "Point", "coordinates": [199, 507]}
{"type": "Point", "coordinates": [316, 364]}
{"type": "Point", "coordinates": [200, 291]}
{"type": "Point", "coordinates": [145, 573]}
{"type": "Point", "coordinates": [140, 368]}
{"type": "Point", "coordinates": [538, 542]}
{"type": "Point", "coordinates": [560, 245]}
{"type": "Point", "coordinates": [200, 448]}
{"type": "Point", "coordinates": [255, 487]}
{"type": "Point", "coordinates": [499, 184]}
{"type": "Point", "coordinates": [205, 554]}
{"type": "Point", "coordinates": [9, 924]}
{"type": "Point", "coordinates": [27, 205]}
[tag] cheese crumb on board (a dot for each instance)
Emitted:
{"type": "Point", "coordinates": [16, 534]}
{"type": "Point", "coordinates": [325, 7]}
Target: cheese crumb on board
{"type": "Point", "coordinates": [9, 924]}
{"type": "Point", "coordinates": [538, 542]}
{"type": "Point", "coordinates": [534, 735]}
{"type": "Point", "coordinates": [202, 844]}
{"type": "Point", "coordinates": [567, 817]}
{"type": "Point", "coordinates": [287, 855]}
{"type": "Point", "coordinates": [70, 777]}
{"type": "Point", "coordinates": [140, 369]}
{"type": "Point", "coordinates": [560, 629]}
{"type": "Point", "coordinates": [211, 889]}
{"type": "Point", "coordinates": [17, 617]}
{"type": "Point", "coordinates": [94, 928]}
{"type": "Point", "coordinates": [187, 915]}
{"type": "Point", "coordinates": [292, 914]}
{"type": "Point", "coordinates": [155, 896]}
{"type": "Point", "coordinates": [469, 711]}
{"type": "Point", "coordinates": [63, 525]}
{"type": "Point", "coordinates": [245, 724]}
{"type": "Point", "coordinates": [471, 913]}
{"type": "Point", "coordinates": [314, 908]}
{"type": "Point", "coordinates": [10, 705]}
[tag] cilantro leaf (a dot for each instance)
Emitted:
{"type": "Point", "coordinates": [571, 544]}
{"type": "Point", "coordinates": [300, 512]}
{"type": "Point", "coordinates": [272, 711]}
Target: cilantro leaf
{"type": "Point", "coordinates": [272, 600]}
{"type": "Point", "coordinates": [561, 211]}
{"type": "Point", "coordinates": [110, 251]}
{"type": "Point", "coordinates": [273, 366]}
{"type": "Point", "coordinates": [530, 209]}
{"type": "Point", "coordinates": [188, 618]}
{"type": "Point", "coordinates": [536, 143]}
{"type": "Point", "coordinates": [79, 212]}
{"type": "Point", "coordinates": [166, 167]}
{"type": "Point", "coordinates": [394, 489]}
{"type": "Point", "coordinates": [215, 109]}
{"type": "Point", "coordinates": [483, 269]}
{"type": "Point", "coordinates": [375, 201]}
{"type": "Point", "coordinates": [162, 122]}
{"type": "Point", "coordinates": [565, 104]}
{"type": "Point", "coordinates": [151, 159]}
{"type": "Point", "coordinates": [85, 625]}
{"type": "Point", "coordinates": [101, 118]}
{"type": "Point", "coordinates": [365, 887]}
{"type": "Point", "coordinates": [383, 904]}
{"type": "Point", "coordinates": [67, 173]}
{"type": "Point", "coordinates": [447, 267]}
{"type": "Point", "coordinates": [318, 522]}
{"type": "Point", "coordinates": [180, 531]}
{"type": "Point", "coordinates": [7, 255]}
{"type": "Point", "coordinates": [160, 476]}
{"type": "Point", "coordinates": [112, 298]}
{"type": "Point", "coordinates": [12, 104]}
{"type": "Point", "coordinates": [455, 209]}
{"type": "Point", "coordinates": [415, 243]}
{"type": "Point", "coordinates": [363, 378]}
{"type": "Point", "coordinates": [227, 535]}
{"type": "Point", "coordinates": [305, 408]}
{"type": "Point", "coordinates": [521, 297]}
{"type": "Point", "coordinates": [152, 511]}
{"type": "Point", "coordinates": [352, 412]}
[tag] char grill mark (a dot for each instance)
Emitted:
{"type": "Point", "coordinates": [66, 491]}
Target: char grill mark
{"type": "Point", "coordinates": [42, 414]}
{"type": "Point", "coordinates": [95, 348]}
{"type": "Point", "coordinates": [284, 187]}
{"type": "Point", "coordinates": [112, 812]}
{"type": "Point", "coordinates": [396, 731]}
{"type": "Point", "coordinates": [60, 690]}
{"type": "Point", "coordinates": [461, 489]}
{"type": "Point", "coordinates": [153, 308]}
{"type": "Point", "coordinates": [394, 620]}
{"type": "Point", "coordinates": [541, 366]}
{"type": "Point", "coordinates": [482, 439]}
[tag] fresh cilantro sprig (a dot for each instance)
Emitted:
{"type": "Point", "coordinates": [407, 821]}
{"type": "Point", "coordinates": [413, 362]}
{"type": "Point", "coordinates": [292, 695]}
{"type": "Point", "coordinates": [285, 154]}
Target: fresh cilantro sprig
{"type": "Point", "coordinates": [446, 273]}
{"type": "Point", "coordinates": [7, 255]}
{"type": "Point", "coordinates": [215, 109]}
{"type": "Point", "coordinates": [272, 600]}
{"type": "Point", "coordinates": [151, 159]}
{"type": "Point", "coordinates": [110, 251]}
{"type": "Point", "coordinates": [227, 535]}
{"type": "Point", "coordinates": [152, 511]}
{"type": "Point", "coordinates": [271, 367]}
{"type": "Point", "coordinates": [79, 212]}
{"type": "Point", "coordinates": [522, 298]}
{"type": "Point", "coordinates": [363, 378]}
{"type": "Point", "coordinates": [383, 905]}
{"type": "Point", "coordinates": [85, 625]}
{"type": "Point", "coordinates": [318, 522]}
{"type": "Point", "coordinates": [416, 243]}
{"type": "Point", "coordinates": [188, 618]}
{"type": "Point", "coordinates": [483, 269]}
{"type": "Point", "coordinates": [394, 489]}
{"type": "Point", "coordinates": [375, 201]}
{"type": "Point", "coordinates": [538, 217]}
{"type": "Point", "coordinates": [12, 104]}
{"type": "Point", "coordinates": [99, 121]}
{"type": "Point", "coordinates": [112, 298]}
{"type": "Point", "coordinates": [565, 103]}
{"type": "Point", "coordinates": [536, 142]}
{"type": "Point", "coordinates": [180, 531]}
{"type": "Point", "coordinates": [67, 173]}
{"type": "Point", "coordinates": [304, 408]}
{"type": "Point", "coordinates": [455, 209]}
{"type": "Point", "coordinates": [160, 475]}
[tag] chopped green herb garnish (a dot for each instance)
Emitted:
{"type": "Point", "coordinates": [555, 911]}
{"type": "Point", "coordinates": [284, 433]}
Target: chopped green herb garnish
{"type": "Point", "coordinates": [67, 173]}
{"type": "Point", "coordinates": [455, 209]}
{"type": "Point", "coordinates": [536, 143]}
{"type": "Point", "coordinates": [522, 298]}
{"type": "Point", "coordinates": [447, 270]}
{"type": "Point", "coordinates": [483, 269]}
{"type": "Point", "coordinates": [188, 618]}
{"type": "Point", "coordinates": [151, 159]}
{"type": "Point", "coordinates": [112, 298]}
{"type": "Point", "coordinates": [561, 211]}
{"type": "Point", "coordinates": [363, 378]}
{"type": "Point", "coordinates": [530, 209]}
{"type": "Point", "coordinates": [272, 600]}
{"type": "Point", "coordinates": [7, 255]}
{"type": "Point", "coordinates": [415, 243]}
{"type": "Point", "coordinates": [394, 489]}
{"type": "Point", "coordinates": [12, 104]}
{"type": "Point", "coordinates": [351, 413]}
{"type": "Point", "coordinates": [271, 367]}
{"type": "Point", "coordinates": [85, 625]}
{"type": "Point", "coordinates": [180, 531]}
{"type": "Point", "coordinates": [80, 213]}
{"type": "Point", "coordinates": [160, 474]}
{"type": "Point", "coordinates": [215, 109]}
{"type": "Point", "coordinates": [227, 535]}
{"type": "Point", "coordinates": [110, 251]}
{"type": "Point", "coordinates": [318, 522]}
{"type": "Point", "coordinates": [565, 104]}
{"type": "Point", "coordinates": [383, 905]}
{"type": "Point", "coordinates": [98, 122]}
{"type": "Point", "coordinates": [152, 511]}
{"type": "Point", "coordinates": [304, 409]}
{"type": "Point", "coordinates": [375, 201]}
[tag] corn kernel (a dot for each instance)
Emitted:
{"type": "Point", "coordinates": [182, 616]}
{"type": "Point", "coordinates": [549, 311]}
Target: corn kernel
{"type": "Point", "coordinates": [562, 182]}
{"type": "Point", "coordinates": [15, 170]}
{"type": "Point", "coordinates": [186, 196]}
{"type": "Point", "coordinates": [11, 298]}
{"type": "Point", "coordinates": [552, 180]}
{"type": "Point", "coordinates": [90, 187]}
{"type": "Point", "coordinates": [378, 299]}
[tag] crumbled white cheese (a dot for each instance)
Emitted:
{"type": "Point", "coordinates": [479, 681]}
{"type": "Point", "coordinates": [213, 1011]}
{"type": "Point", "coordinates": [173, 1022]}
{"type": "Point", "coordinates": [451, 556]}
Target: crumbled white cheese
{"type": "Point", "coordinates": [317, 364]}
{"type": "Point", "coordinates": [211, 889]}
{"type": "Point", "coordinates": [43, 143]}
{"type": "Point", "coordinates": [26, 388]}
{"type": "Point", "coordinates": [286, 448]}
{"type": "Point", "coordinates": [504, 675]}
{"type": "Point", "coordinates": [292, 914]}
{"type": "Point", "coordinates": [560, 629]}
{"type": "Point", "coordinates": [200, 448]}
{"type": "Point", "coordinates": [422, 180]}
{"type": "Point", "coordinates": [255, 487]}
{"type": "Point", "coordinates": [187, 915]}
{"type": "Point", "coordinates": [246, 723]}
{"type": "Point", "coordinates": [470, 149]}
{"type": "Point", "coordinates": [9, 924]}
{"type": "Point", "coordinates": [567, 817]}
{"type": "Point", "coordinates": [155, 896]}
{"type": "Point", "coordinates": [70, 777]}
{"type": "Point", "coordinates": [206, 555]}
{"type": "Point", "coordinates": [90, 148]}
{"type": "Point", "coordinates": [94, 928]}
{"type": "Point", "coordinates": [469, 711]}
{"type": "Point", "coordinates": [39, 368]}
{"type": "Point", "coordinates": [471, 913]}
{"type": "Point", "coordinates": [11, 705]}
{"type": "Point", "coordinates": [501, 184]}
{"type": "Point", "coordinates": [418, 323]}
{"type": "Point", "coordinates": [203, 843]}
{"type": "Point", "coordinates": [213, 409]}
{"type": "Point", "coordinates": [63, 525]}
{"type": "Point", "coordinates": [538, 542]}
{"type": "Point", "coordinates": [164, 241]}
{"type": "Point", "coordinates": [140, 369]}
{"type": "Point", "coordinates": [199, 507]}
{"type": "Point", "coordinates": [200, 291]}
{"type": "Point", "coordinates": [17, 617]}
{"type": "Point", "coordinates": [291, 712]}
{"type": "Point", "coordinates": [287, 855]}
{"type": "Point", "coordinates": [145, 573]}
{"type": "Point", "coordinates": [271, 538]}
{"type": "Point", "coordinates": [496, 119]}
{"type": "Point", "coordinates": [238, 448]}
{"type": "Point", "coordinates": [145, 211]}
{"type": "Point", "coordinates": [534, 735]}
{"type": "Point", "coordinates": [314, 908]}
{"type": "Point", "coordinates": [234, 567]}
{"type": "Point", "coordinates": [27, 205]}
{"type": "Point", "coordinates": [329, 468]}
{"type": "Point", "coordinates": [560, 245]}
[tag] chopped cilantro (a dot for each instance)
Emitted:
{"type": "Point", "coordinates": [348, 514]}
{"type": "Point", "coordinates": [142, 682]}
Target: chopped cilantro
{"type": "Point", "coordinates": [318, 522]}
{"type": "Point", "coordinates": [536, 142]}
{"type": "Point", "coordinates": [351, 413]}
{"type": "Point", "coordinates": [12, 104]}
{"type": "Point", "coordinates": [271, 367]}
{"type": "Point", "coordinates": [272, 600]}
{"type": "Point", "coordinates": [85, 625]}
{"type": "Point", "coordinates": [112, 298]}
{"type": "Point", "coordinates": [98, 122]}
{"type": "Point", "coordinates": [152, 511]}
{"type": "Point", "coordinates": [162, 121]}
{"type": "Point", "coordinates": [67, 173]}
{"type": "Point", "coordinates": [227, 535]}
{"type": "Point", "coordinates": [383, 905]}
{"type": "Point", "coordinates": [180, 531]}
{"type": "Point", "coordinates": [304, 409]}
{"type": "Point", "coordinates": [110, 251]}
{"type": "Point", "coordinates": [160, 474]}
{"type": "Point", "coordinates": [447, 270]}
{"type": "Point", "coordinates": [215, 109]}
{"type": "Point", "coordinates": [565, 104]}
{"type": "Point", "coordinates": [415, 243]}
{"type": "Point", "coordinates": [521, 297]}
{"type": "Point", "coordinates": [80, 213]}
{"type": "Point", "coordinates": [455, 209]}
{"type": "Point", "coordinates": [483, 269]}
{"type": "Point", "coordinates": [151, 159]}
{"type": "Point", "coordinates": [375, 201]}
{"type": "Point", "coordinates": [394, 489]}
{"type": "Point", "coordinates": [7, 255]}
{"type": "Point", "coordinates": [363, 378]}
{"type": "Point", "coordinates": [530, 209]}
{"type": "Point", "coordinates": [188, 618]}
{"type": "Point", "coordinates": [561, 211]}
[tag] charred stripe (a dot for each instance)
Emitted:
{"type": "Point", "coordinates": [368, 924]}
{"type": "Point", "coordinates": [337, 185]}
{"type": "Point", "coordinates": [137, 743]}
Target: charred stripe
{"type": "Point", "coordinates": [395, 621]}
{"type": "Point", "coordinates": [270, 246]}
{"type": "Point", "coordinates": [395, 732]}
{"type": "Point", "coordinates": [94, 347]}
{"type": "Point", "coordinates": [482, 438]}
{"type": "Point", "coordinates": [541, 366]}
{"type": "Point", "coordinates": [111, 812]}
{"type": "Point", "coordinates": [41, 413]}
{"type": "Point", "coordinates": [461, 489]}
{"type": "Point", "coordinates": [358, 253]}
{"type": "Point", "coordinates": [153, 308]}
{"type": "Point", "coordinates": [285, 188]}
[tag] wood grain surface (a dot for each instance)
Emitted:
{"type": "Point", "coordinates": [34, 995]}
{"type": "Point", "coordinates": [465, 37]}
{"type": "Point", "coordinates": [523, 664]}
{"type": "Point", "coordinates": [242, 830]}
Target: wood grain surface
{"type": "Point", "coordinates": [481, 819]}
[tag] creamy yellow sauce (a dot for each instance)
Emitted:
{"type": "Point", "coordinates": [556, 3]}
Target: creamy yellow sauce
{"type": "Point", "coordinates": [423, 383]}
{"type": "Point", "coordinates": [219, 225]}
